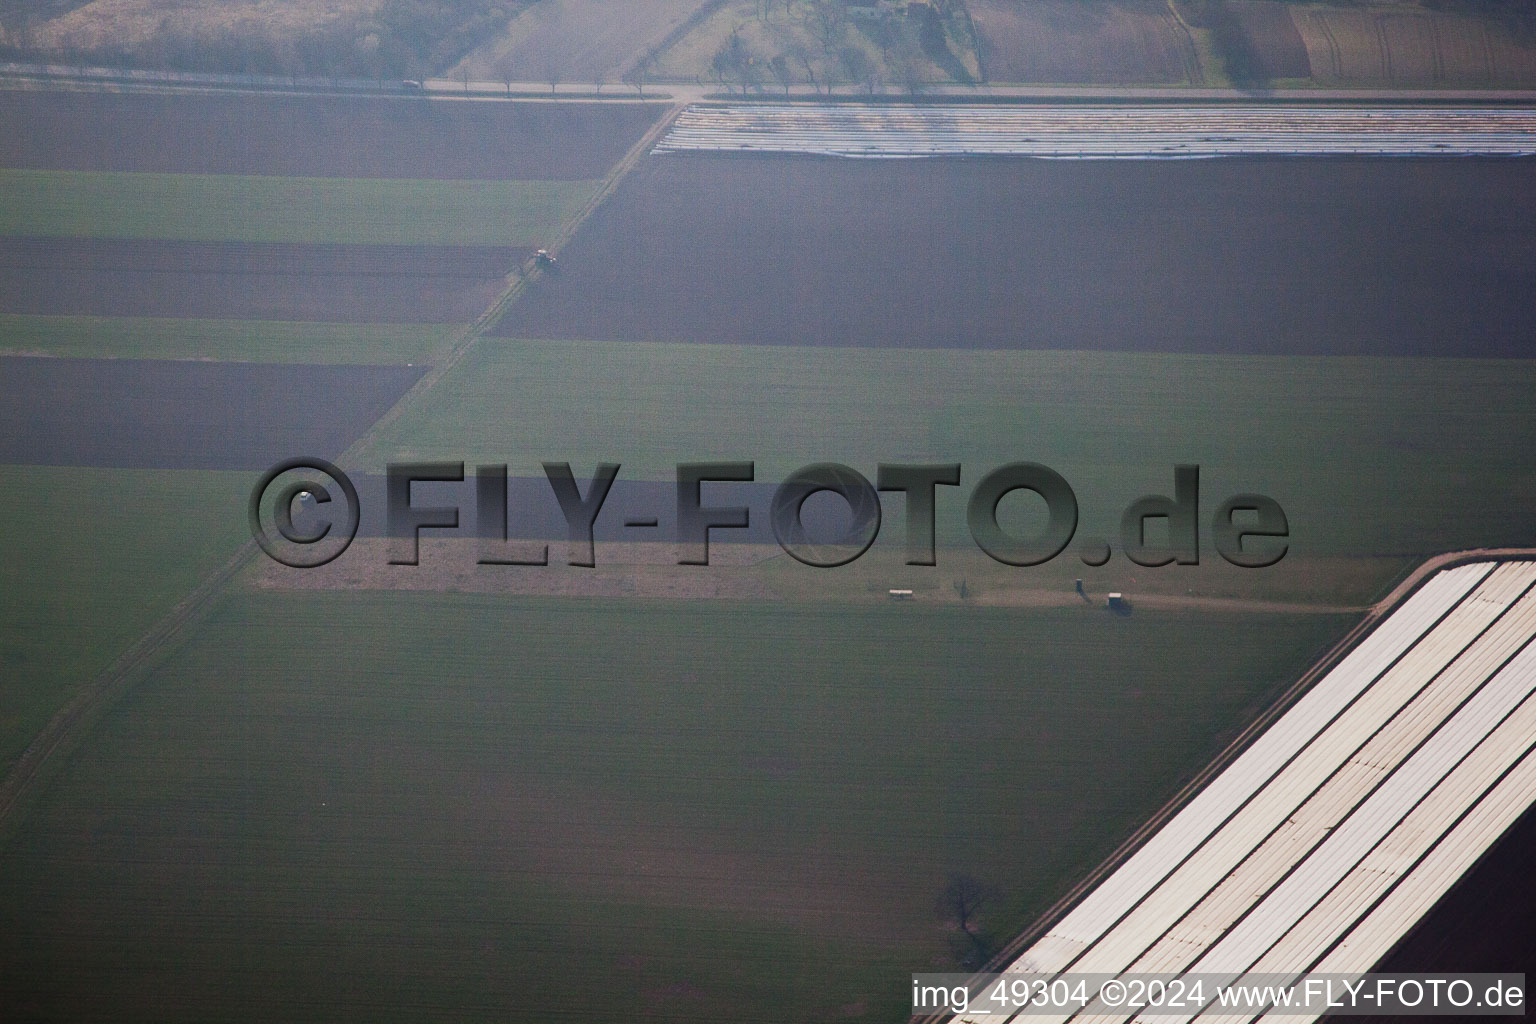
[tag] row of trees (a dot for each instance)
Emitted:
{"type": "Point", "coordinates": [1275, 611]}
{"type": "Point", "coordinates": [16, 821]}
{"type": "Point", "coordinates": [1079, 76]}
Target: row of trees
{"type": "Point", "coordinates": [554, 73]}
{"type": "Point", "coordinates": [818, 43]}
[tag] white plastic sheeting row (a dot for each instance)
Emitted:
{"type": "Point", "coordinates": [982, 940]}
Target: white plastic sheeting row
{"type": "Point", "coordinates": [1100, 132]}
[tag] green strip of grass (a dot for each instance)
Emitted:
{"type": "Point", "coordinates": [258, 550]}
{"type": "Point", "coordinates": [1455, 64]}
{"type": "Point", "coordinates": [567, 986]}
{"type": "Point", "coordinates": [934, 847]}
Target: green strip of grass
{"type": "Point", "coordinates": [257, 341]}
{"type": "Point", "coordinates": [1396, 457]}
{"type": "Point", "coordinates": [255, 208]}
{"type": "Point", "coordinates": [89, 560]}
{"type": "Point", "coordinates": [745, 808]}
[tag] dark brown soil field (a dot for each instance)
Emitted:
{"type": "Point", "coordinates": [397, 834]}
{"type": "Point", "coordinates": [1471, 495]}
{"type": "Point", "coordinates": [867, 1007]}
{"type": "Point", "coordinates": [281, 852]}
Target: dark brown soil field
{"type": "Point", "coordinates": [255, 281]}
{"type": "Point", "coordinates": [153, 414]}
{"type": "Point", "coordinates": [320, 136]}
{"type": "Point", "coordinates": [1282, 256]}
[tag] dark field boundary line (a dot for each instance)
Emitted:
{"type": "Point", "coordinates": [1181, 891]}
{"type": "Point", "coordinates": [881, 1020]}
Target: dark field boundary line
{"type": "Point", "coordinates": [49, 750]}
{"type": "Point", "coordinates": [1378, 611]}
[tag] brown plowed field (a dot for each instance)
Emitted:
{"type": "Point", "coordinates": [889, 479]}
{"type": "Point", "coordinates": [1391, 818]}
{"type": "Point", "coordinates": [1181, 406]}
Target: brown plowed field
{"type": "Point", "coordinates": [578, 40]}
{"type": "Point", "coordinates": [1282, 256]}
{"type": "Point", "coordinates": [268, 281]}
{"type": "Point", "coordinates": [184, 414]}
{"type": "Point", "coordinates": [317, 136]}
{"type": "Point", "coordinates": [1101, 41]}
{"type": "Point", "coordinates": [1410, 48]}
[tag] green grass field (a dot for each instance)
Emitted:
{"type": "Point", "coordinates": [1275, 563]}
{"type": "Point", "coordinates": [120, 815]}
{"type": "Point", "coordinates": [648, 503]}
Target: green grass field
{"type": "Point", "coordinates": [457, 807]}
{"type": "Point", "coordinates": [255, 341]}
{"type": "Point", "coordinates": [1369, 457]}
{"type": "Point", "coordinates": [93, 558]}
{"type": "Point", "coordinates": [259, 208]}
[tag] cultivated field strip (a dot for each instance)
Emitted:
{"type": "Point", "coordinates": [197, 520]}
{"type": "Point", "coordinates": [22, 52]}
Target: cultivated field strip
{"type": "Point", "coordinates": [351, 137]}
{"type": "Point", "coordinates": [1093, 132]}
{"type": "Point", "coordinates": [1348, 797]}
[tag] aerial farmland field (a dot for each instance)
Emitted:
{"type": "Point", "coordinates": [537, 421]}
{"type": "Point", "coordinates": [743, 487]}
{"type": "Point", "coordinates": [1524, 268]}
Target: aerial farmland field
{"type": "Point", "coordinates": [466, 789]}
{"type": "Point", "coordinates": [502, 797]}
{"type": "Point", "coordinates": [366, 137]}
{"type": "Point", "coordinates": [1123, 41]}
{"type": "Point", "coordinates": [155, 262]}
{"type": "Point", "coordinates": [587, 41]}
{"type": "Point", "coordinates": [1226, 256]}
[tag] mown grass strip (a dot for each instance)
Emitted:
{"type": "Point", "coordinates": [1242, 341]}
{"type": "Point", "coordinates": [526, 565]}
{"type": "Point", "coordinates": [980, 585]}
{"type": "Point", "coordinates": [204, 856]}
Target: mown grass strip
{"type": "Point", "coordinates": [1367, 456]}
{"type": "Point", "coordinates": [255, 341]}
{"type": "Point", "coordinates": [256, 208]}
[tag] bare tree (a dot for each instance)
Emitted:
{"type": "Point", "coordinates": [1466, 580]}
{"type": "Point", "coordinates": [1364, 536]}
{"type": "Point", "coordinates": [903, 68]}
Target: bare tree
{"type": "Point", "coordinates": [552, 75]}
{"type": "Point", "coordinates": [751, 74]}
{"type": "Point", "coordinates": [960, 903]}
{"type": "Point", "coordinates": [780, 66]}
{"type": "Point", "coordinates": [464, 77]}
{"type": "Point", "coordinates": [735, 59]}
{"type": "Point", "coordinates": [599, 75]}
{"type": "Point", "coordinates": [800, 53]}
{"type": "Point", "coordinates": [636, 76]}
{"type": "Point", "coordinates": [825, 21]}
{"type": "Point", "coordinates": [860, 70]}
{"type": "Point", "coordinates": [506, 70]}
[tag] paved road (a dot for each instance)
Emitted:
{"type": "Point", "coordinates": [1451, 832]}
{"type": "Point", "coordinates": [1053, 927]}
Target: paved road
{"type": "Point", "coordinates": [691, 92]}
